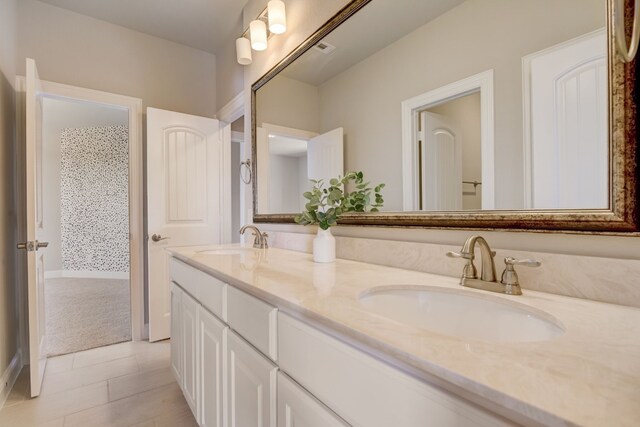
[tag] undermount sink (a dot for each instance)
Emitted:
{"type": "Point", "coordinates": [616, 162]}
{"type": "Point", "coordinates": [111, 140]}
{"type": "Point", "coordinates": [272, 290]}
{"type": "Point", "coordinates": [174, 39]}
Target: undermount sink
{"type": "Point", "coordinates": [227, 251]}
{"type": "Point", "coordinates": [462, 314]}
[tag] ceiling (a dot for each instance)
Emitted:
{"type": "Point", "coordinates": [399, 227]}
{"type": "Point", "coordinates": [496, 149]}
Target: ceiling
{"type": "Point", "coordinates": [376, 26]}
{"type": "Point", "coordinates": [201, 24]}
{"type": "Point", "coordinates": [285, 146]}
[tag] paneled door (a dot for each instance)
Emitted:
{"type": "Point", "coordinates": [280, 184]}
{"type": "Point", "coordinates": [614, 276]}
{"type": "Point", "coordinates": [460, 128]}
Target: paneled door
{"type": "Point", "coordinates": [251, 386]}
{"type": "Point", "coordinates": [441, 172]}
{"type": "Point", "coordinates": [566, 125]}
{"type": "Point", "coordinates": [325, 155]}
{"type": "Point", "coordinates": [211, 352]}
{"type": "Point", "coordinates": [33, 247]}
{"type": "Point", "coordinates": [188, 196]}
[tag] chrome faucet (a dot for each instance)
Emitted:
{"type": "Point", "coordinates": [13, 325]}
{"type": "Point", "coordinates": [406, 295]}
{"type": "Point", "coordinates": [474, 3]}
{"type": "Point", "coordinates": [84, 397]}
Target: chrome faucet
{"type": "Point", "coordinates": [260, 240]}
{"type": "Point", "coordinates": [509, 283]}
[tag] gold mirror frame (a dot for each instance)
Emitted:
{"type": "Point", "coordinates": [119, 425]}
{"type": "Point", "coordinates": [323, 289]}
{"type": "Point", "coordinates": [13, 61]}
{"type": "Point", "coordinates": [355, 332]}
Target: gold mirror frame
{"type": "Point", "coordinates": [621, 218]}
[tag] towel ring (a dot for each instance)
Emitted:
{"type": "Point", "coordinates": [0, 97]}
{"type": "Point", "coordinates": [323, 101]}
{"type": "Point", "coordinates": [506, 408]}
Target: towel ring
{"type": "Point", "coordinates": [627, 53]}
{"type": "Point", "coordinates": [247, 166]}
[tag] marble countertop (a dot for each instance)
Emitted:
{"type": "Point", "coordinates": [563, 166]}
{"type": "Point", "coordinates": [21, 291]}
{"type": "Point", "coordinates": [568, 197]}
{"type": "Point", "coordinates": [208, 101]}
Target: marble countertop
{"type": "Point", "coordinates": [589, 376]}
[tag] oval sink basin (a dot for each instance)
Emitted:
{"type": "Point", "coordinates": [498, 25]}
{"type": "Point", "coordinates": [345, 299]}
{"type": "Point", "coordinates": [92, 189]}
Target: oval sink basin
{"type": "Point", "coordinates": [462, 314]}
{"type": "Point", "coordinates": [227, 251]}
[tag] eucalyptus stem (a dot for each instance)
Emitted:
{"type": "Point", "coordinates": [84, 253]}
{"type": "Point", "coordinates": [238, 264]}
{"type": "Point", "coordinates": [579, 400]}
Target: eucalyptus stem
{"type": "Point", "coordinates": [326, 204]}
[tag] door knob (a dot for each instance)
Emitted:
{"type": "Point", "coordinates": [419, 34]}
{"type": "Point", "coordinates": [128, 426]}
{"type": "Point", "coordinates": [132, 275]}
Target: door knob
{"type": "Point", "coordinates": [157, 238]}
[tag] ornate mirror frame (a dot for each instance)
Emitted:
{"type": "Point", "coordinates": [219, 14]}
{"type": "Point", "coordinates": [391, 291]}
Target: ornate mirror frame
{"type": "Point", "coordinates": [621, 218]}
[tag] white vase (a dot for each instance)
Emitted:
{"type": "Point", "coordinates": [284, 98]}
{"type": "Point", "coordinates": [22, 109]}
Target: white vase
{"type": "Point", "coordinates": [324, 246]}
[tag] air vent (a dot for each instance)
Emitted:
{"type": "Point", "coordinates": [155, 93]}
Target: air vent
{"type": "Point", "coordinates": [324, 47]}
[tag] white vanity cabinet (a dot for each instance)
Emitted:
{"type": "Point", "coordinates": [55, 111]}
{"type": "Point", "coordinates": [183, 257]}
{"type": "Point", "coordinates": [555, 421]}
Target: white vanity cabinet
{"type": "Point", "coordinates": [298, 408]}
{"type": "Point", "coordinates": [251, 385]}
{"type": "Point", "coordinates": [365, 391]}
{"type": "Point", "coordinates": [211, 348]}
{"type": "Point", "coordinates": [227, 377]}
{"type": "Point", "coordinates": [248, 365]}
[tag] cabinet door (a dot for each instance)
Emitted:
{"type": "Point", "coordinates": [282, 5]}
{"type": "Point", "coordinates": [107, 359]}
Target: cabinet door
{"type": "Point", "coordinates": [176, 333]}
{"type": "Point", "coordinates": [251, 385]}
{"type": "Point", "coordinates": [189, 308]}
{"type": "Point", "coordinates": [297, 408]}
{"type": "Point", "coordinates": [211, 350]}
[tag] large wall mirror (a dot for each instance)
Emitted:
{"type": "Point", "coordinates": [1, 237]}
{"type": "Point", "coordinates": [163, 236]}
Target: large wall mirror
{"type": "Point", "coordinates": [473, 113]}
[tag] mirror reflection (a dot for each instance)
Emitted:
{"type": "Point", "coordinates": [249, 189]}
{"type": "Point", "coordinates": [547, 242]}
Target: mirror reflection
{"type": "Point", "coordinates": [454, 105]}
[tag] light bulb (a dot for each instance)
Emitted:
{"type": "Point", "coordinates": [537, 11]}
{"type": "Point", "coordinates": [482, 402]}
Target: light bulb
{"type": "Point", "coordinates": [258, 31]}
{"type": "Point", "coordinates": [277, 17]}
{"type": "Point", "coordinates": [243, 51]}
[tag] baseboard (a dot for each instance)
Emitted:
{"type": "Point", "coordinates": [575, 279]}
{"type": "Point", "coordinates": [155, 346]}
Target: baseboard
{"type": "Point", "coordinates": [9, 377]}
{"type": "Point", "coordinates": [56, 274]}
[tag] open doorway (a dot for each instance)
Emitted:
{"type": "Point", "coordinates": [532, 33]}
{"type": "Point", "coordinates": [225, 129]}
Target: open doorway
{"type": "Point", "coordinates": [85, 201]}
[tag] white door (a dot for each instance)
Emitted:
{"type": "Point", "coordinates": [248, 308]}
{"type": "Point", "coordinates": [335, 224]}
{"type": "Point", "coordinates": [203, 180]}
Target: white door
{"type": "Point", "coordinates": [211, 350]}
{"type": "Point", "coordinates": [325, 155]}
{"type": "Point", "coordinates": [188, 194]}
{"type": "Point", "coordinates": [441, 172]}
{"type": "Point", "coordinates": [35, 254]}
{"type": "Point", "coordinates": [566, 158]}
{"type": "Point", "coordinates": [188, 313]}
{"type": "Point", "coordinates": [251, 385]}
{"type": "Point", "coordinates": [298, 408]}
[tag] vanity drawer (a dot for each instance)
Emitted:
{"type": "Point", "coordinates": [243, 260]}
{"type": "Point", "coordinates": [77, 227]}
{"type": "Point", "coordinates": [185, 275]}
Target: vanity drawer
{"type": "Point", "coordinates": [208, 290]}
{"type": "Point", "coordinates": [365, 391]}
{"type": "Point", "coordinates": [254, 319]}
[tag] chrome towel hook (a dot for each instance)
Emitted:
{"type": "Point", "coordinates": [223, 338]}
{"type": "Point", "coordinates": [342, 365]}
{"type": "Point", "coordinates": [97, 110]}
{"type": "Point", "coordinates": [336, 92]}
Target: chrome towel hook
{"type": "Point", "coordinates": [627, 53]}
{"type": "Point", "coordinates": [246, 178]}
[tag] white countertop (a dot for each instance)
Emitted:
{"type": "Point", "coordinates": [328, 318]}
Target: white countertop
{"type": "Point", "coordinates": [589, 376]}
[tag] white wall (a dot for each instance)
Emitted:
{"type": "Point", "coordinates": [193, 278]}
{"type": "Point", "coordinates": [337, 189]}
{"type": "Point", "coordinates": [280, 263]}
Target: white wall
{"type": "Point", "coordinates": [74, 49]}
{"type": "Point", "coordinates": [290, 103]}
{"type": "Point", "coordinates": [284, 183]}
{"type": "Point", "coordinates": [8, 225]}
{"type": "Point", "coordinates": [305, 17]}
{"type": "Point", "coordinates": [229, 74]}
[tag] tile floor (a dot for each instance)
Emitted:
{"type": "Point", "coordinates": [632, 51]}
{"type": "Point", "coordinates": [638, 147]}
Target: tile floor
{"type": "Point", "coordinates": [127, 384]}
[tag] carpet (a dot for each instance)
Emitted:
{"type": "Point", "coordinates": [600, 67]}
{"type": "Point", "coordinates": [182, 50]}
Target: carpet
{"type": "Point", "coordinates": [86, 313]}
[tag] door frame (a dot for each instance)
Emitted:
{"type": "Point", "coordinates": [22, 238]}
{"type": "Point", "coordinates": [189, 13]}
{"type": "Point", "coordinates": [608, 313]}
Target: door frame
{"type": "Point", "coordinates": [229, 113]}
{"type": "Point", "coordinates": [136, 212]}
{"type": "Point", "coordinates": [483, 83]}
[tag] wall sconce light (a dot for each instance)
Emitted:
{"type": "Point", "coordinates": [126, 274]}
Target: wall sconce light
{"type": "Point", "coordinates": [258, 33]}
{"type": "Point", "coordinates": [277, 17]}
{"type": "Point", "coordinates": [243, 51]}
{"type": "Point", "coordinates": [255, 37]}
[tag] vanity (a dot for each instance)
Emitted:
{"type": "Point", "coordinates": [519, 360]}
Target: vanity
{"type": "Point", "coordinates": [267, 337]}
{"type": "Point", "coordinates": [498, 116]}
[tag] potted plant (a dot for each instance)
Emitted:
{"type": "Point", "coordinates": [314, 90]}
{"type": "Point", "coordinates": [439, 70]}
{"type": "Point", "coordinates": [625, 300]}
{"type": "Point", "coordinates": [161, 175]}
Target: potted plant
{"type": "Point", "coordinates": [326, 204]}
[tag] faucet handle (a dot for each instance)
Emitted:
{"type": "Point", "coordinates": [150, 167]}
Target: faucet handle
{"type": "Point", "coordinates": [459, 255]}
{"type": "Point", "coordinates": [510, 262]}
{"type": "Point", "coordinates": [265, 242]}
